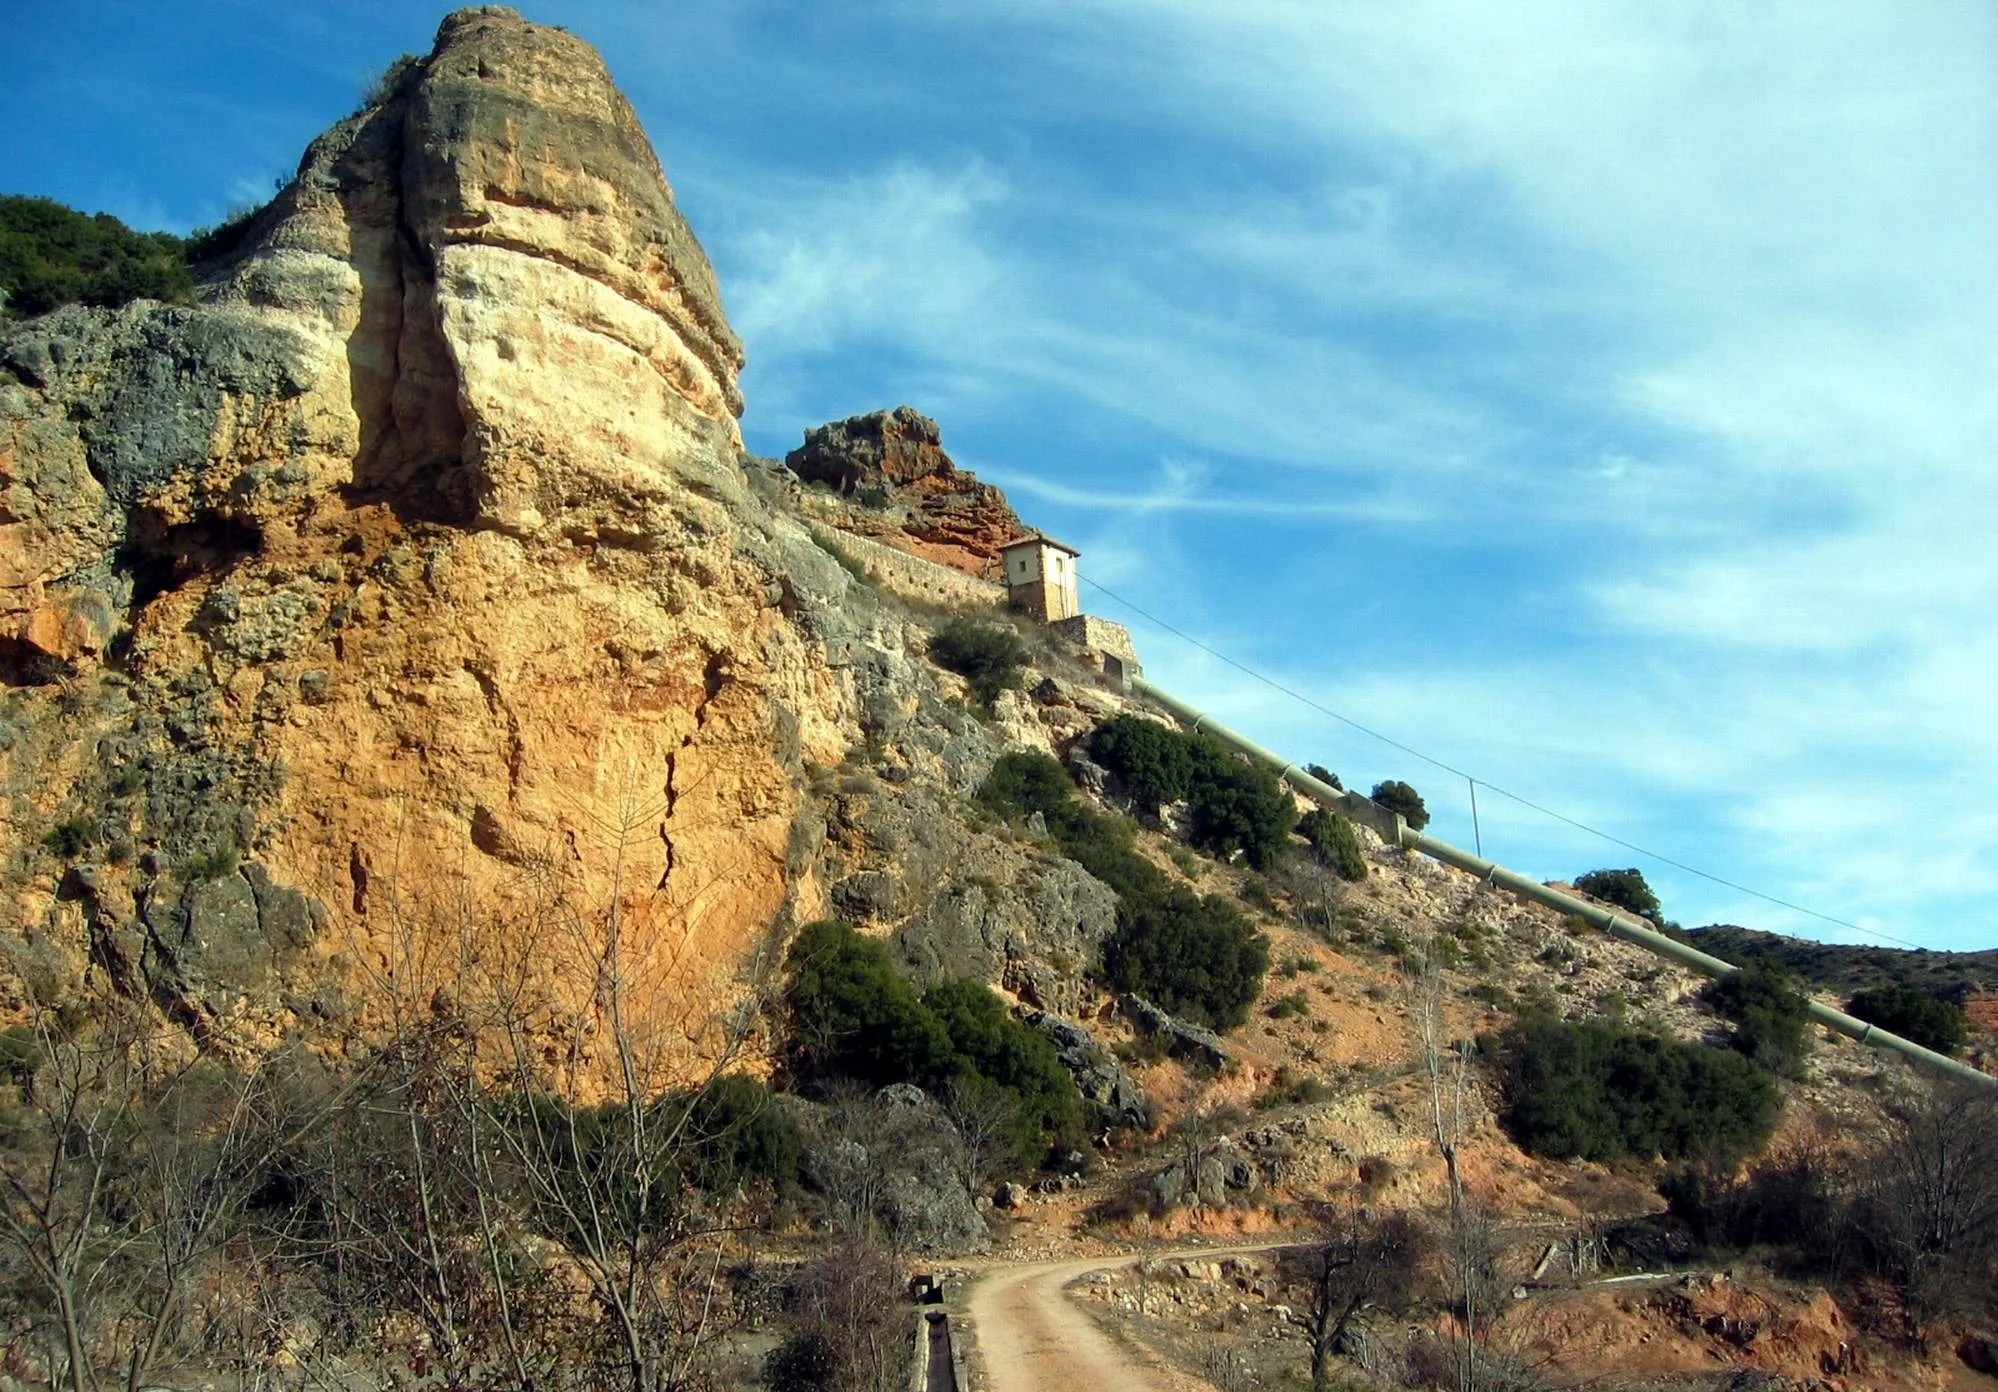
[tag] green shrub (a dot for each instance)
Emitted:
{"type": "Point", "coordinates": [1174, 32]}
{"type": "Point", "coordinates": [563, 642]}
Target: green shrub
{"type": "Point", "coordinates": [215, 863]}
{"type": "Point", "coordinates": [1335, 842]}
{"type": "Point", "coordinates": [71, 837]}
{"type": "Point", "coordinates": [740, 1137]}
{"type": "Point", "coordinates": [987, 656]}
{"type": "Point", "coordinates": [1788, 1200]}
{"type": "Point", "coordinates": [1598, 1091]}
{"type": "Point", "coordinates": [1021, 784]}
{"type": "Point", "coordinates": [214, 243]}
{"type": "Point", "coordinates": [1154, 762]}
{"type": "Point", "coordinates": [1624, 889]}
{"type": "Point", "coordinates": [1397, 796]}
{"type": "Point", "coordinates": [20, 1054]}
{"type": "Point", "coordinates": [1914, 1015]}
{"type": "Point", "coordinates": [851, 1014]}
{"type": "Point", "coordinates": [1289, 1089]}
{"type": "Point", "coordinates": [51, 255]}
{"type": "Point", "coordinates": [1234, 806]}
{"type": "Point", "coordinates": [806, 1361]}
{"type": "Point", "coordinates": [989, 1045]}
{"type": "Point", "coordinates": [386, 84]}
{"type": "Point", "coordinates": [1325, 775]}
{"type": "Point", "coordinates": [1237, 806]}
{"type": "Point", "coordinates": [1257, 896]}
{"type": "Point", "coordinates": [1290, 1007]}
{"type": "Point", "coordinates": [1197, 957]}
{"type": "Point", "coordinates": [1769, 1015]}
{"type": "Point", "coordinates": [1103, 847]}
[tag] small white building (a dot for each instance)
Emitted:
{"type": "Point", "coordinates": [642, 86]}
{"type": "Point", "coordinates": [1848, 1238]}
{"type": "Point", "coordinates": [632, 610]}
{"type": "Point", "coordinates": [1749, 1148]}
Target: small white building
{"type": "Point", "coordinates": [1041, 577]}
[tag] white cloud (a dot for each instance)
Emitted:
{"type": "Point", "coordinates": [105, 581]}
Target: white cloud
{"type": "Point", "coordinates": [898, 254]}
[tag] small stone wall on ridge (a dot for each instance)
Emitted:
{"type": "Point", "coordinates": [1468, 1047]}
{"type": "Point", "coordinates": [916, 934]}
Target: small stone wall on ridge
{"type": "Point", "coordinates": [913, 576]}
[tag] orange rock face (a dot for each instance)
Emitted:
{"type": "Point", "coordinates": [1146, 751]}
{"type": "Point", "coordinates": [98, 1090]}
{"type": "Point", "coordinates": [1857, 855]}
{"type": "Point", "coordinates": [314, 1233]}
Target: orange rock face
{"type": "Point", "coordinates": [909, 493]}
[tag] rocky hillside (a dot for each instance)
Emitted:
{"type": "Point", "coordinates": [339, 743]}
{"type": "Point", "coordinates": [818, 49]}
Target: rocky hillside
{"type": "Point", "coordinates": [406, 610]}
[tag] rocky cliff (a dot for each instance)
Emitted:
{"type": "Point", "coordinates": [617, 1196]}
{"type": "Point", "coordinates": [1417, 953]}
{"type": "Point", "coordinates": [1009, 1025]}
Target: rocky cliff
{"type": "Point", "coordinates": [419, 566]}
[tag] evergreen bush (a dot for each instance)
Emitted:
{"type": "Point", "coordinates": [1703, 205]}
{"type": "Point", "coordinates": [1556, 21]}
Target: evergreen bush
{"type": "Point", "coordinates": [1915, 1015]}
{"type": "Point", "coordinates": [1335, 841]}
{"type": "Point", "coordinates": [1397, 796]}
{"type": "Point", "coordinates": [1154, 762]}
{"type": "Point", "coordinates": [987, 656]}
{"type": "Point", "coordinates": [740, 1137]}
{"type": "Point", "coordinates": [1236, 806]}
{"type": "Point", "coordinates": [1595, 1092]}
{"type": "Point", "coordinates": [1769, 1016]}
{"type": "Point", "coordinates": [1192, 955]}
{"type": "Point", "coordinates": [1196, 956]}
{"type": "Point", "coordinates": [1625, 889]}
{"type": "Point", "coordinates": [51, 255]}
{"type": "Point", "coordinates": [852, 1015]}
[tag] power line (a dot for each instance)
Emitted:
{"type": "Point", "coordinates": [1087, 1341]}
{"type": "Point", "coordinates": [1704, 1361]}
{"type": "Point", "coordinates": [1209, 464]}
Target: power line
{"type": "Point", "coordinates": [1477, 782]}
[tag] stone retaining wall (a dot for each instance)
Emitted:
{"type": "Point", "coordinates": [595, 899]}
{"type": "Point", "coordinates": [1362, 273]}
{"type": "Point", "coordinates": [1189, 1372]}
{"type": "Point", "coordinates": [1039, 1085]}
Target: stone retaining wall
{"type": "Point", "coordinates": [914, 576]}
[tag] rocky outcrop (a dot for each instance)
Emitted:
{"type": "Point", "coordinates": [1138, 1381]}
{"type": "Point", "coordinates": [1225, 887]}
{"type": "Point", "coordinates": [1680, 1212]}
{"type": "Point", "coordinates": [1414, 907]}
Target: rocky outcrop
{"type": "Point", "coordinates": [1180, 1038]}
{"type": "Point", "coordinates": [1098, 1075]}
{"type": "Point", "coordinates": [903, 489]}
{"type": "Point", "coordinates": [416, 562]}
{"type": "Point", "coordinates": [887, 1158]}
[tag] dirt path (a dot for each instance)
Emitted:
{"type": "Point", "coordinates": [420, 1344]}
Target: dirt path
{"type": "Point", "coordinates": [1033, 1338]}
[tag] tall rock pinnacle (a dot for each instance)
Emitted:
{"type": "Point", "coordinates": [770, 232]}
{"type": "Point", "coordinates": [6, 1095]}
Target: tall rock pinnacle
{"type": "Point", "coordinates": [523, 299]}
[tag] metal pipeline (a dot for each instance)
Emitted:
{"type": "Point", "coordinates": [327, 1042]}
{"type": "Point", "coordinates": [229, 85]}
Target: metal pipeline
{"type": "Point", "coordinates": [1392, 829]}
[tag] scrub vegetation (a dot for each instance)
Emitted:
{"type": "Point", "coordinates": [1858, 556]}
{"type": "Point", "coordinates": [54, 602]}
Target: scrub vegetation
{"type": "Point", "coordinates": [1195, 955]}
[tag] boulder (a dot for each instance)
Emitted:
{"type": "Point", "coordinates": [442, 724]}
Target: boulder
{"type": "Point", "coordinates": [1099, 1077]}
{"type": "Point", "coordinates": [1182, 1038]}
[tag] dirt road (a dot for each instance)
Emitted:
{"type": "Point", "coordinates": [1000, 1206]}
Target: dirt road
{"type": "Point", "coordinates": [1033, 1338]}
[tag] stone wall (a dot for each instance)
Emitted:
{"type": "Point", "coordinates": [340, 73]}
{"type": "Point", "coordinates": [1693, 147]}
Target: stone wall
{"type": "Point", "coordinates": [1099, 636]}
{"type": "Point", "coordinates": [915, 577]}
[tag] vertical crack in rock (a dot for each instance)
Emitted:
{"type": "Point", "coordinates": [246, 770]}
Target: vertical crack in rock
{"type": "Point", "coordinates": [666, 821]}
{"type": "Point", "coordinates": [516, 747]}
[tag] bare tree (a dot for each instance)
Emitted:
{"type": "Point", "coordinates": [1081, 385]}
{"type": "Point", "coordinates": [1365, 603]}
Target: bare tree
{"type": "Point", "coordinates": [1929, 1199]}
{"type": "Point", "coordinates": [521, 1178]}
{"type": "Point", "coordinates": [1196, 1138]}
{"type": "Point", "coordinates": [986, 1118]}
{"type": "Point", "coordinates": [1365, 1262]}
{"type": "Point", "coordinates": [847, 1335]}
{"type": "Point", "coordinates": [1471, 1243]}
{"type": "Point", "coordinates": [57, 1170]}
{"type": "Point", "coordinates": [124, 1179]}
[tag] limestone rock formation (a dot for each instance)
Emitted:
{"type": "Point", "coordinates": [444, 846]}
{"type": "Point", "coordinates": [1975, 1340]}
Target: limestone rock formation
{"type": "Point", "coordinates": [415, 566]}
{"type": "Point", "coordinates": [912, 494]}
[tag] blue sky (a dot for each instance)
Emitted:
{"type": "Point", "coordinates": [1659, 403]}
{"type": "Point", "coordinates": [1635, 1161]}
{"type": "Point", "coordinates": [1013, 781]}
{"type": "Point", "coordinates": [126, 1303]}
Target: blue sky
{"type": "Point", "coordinates": [1598, 398]}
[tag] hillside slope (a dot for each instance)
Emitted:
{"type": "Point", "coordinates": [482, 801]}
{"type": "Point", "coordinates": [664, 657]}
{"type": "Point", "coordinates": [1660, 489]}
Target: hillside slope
{"type": "Point", "coordinates": [400, 632]}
